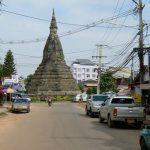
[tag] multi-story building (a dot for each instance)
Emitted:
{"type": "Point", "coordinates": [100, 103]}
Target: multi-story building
{"type": "Point", "coordinates": [83, 70]}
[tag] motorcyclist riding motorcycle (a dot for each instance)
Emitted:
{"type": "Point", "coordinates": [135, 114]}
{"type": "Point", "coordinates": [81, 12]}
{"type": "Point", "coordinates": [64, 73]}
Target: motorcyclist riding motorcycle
{"type": "Point", "coordinates": [49, 101]}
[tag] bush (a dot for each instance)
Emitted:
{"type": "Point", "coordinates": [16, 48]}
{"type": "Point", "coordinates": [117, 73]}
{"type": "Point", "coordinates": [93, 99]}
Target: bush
{"type": "Point", "coordinates": [35, 99]}
{"type": "Point", "coordinates": [62, 98]}
{"type": "Point", "coordinates": [54, 98]}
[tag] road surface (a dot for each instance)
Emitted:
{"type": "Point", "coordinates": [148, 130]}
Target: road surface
{"type": "Point", "coordinates": [64, 126]}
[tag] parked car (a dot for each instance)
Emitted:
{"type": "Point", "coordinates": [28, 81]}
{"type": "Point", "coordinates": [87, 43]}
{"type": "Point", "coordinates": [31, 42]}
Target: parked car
{"type": "Point", "coordinates": [20, 95]}
{"type": "Point", "coordinates": [145, 137]}
{"type": "Point", "coordinates": [121, 109]}
{"type": "Point", "coordinates": [93, 104]}
{"type": "Point", "coordinates": [80, 97]}
{"type": "Point", "coordinates": [20, 104]}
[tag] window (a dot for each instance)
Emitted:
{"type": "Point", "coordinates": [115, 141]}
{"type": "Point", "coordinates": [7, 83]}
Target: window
{"type": "Point", "coordinates": [100, 98]}
{"type": "Point", "coordinates": [94, 70]}
{"type": "Point", "coordinates": [93, 75]}
{"type": "Point", "coordinates": [87, 70]}
{"type": "Point", "coordinates": [88, 75]}
{"type": "Point", "coordinates": [122, 101]}
{"type": "Point", "coordinates": [79, 69]}
{"type": "Point", "coordinates": [79, 75]}
{"type": "Point", "coordinates": [75, 69]}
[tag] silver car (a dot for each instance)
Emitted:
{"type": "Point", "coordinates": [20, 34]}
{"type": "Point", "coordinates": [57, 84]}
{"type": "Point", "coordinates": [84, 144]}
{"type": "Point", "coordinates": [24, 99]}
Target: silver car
{"type": "Point", "coordinates": [93, 104]}
{"type": "Point", "coordinates": [20, 104]}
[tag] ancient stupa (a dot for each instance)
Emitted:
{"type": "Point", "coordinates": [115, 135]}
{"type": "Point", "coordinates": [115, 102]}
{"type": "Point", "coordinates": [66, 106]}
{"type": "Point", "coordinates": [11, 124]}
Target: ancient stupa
{"type": "Point", "coordinates": [53, 76]}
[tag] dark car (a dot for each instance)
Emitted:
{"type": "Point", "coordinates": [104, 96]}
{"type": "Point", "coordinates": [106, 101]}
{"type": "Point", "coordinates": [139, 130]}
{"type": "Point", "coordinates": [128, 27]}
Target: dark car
{"type": "Point", "coordinates": [20, 104]}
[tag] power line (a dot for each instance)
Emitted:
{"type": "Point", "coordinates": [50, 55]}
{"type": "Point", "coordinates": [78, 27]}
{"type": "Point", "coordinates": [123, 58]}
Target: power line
{"type": "Point", "coordinates": [109, 24]}
{"type": "Point", "coordinates": [88, 26]}
{"type": "Point", "coordinates": [124, 50]}
{"type": "Point", "coordinates": [108, 35]}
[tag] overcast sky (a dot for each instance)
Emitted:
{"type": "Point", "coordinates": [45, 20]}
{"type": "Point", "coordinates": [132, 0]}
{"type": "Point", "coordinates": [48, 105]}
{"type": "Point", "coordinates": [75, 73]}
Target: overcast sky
{"type": "Point", "coordinates": [15, 28]}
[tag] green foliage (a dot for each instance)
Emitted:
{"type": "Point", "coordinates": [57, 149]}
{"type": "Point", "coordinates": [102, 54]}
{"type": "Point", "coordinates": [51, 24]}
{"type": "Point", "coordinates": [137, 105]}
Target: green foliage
{"type": "Point", "coordinates": [94, 90]}
{"type": "Point", "coordinates": [107, 83]}
{"type": "Point", "coordinates": [89, 91]}
{"type": "Point", "coordinates": [1, 70]}
{"type": "Point", "coordinates": [54, 98]}
{"type": "Point", "coordinates": [62, 98]}
{"type": "Point", "coordinates": [81, 87]}
{"type": "Point", "coordinates": [28, 80]}
{"type": "Point", "coordinates": [35, 99]}
{"type": "Point", "coordinates": [9, 65]}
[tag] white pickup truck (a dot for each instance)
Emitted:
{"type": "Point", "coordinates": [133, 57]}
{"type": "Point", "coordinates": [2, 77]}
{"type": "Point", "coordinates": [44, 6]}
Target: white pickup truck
{"type": "Point", "coordinates": [123, 109]}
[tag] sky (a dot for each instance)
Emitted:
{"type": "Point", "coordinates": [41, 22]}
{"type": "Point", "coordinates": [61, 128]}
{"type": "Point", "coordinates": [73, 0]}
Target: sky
{"type": "Point", "coordinates": [109, 23]}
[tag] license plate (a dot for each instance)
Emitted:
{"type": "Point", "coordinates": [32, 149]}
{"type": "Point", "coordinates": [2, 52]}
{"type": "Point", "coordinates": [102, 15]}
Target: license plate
{"type": "Point", "coordinates": [130, 121]}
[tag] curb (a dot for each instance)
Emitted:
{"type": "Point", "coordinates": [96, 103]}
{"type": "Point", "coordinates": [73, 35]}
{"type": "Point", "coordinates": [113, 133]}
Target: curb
{"type": "Point", "coordinates": [3, 114]}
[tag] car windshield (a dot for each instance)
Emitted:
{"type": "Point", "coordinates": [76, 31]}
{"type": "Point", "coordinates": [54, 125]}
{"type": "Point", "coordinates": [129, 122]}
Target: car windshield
{"type": "Point", "coordinates": [25, 96]}
{"type": "Point", "coordinates": [122, 101]}
{"type": "Point", "coordinates": [13, 95]}
{"type": "Point", "coordinates": [99, 98]}
{"type": "Point", "coordinates": [20, 101]}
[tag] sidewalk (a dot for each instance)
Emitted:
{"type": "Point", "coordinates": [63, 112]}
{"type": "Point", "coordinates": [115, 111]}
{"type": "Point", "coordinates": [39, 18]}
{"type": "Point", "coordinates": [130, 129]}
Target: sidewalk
{"type": "Point", "coordinates": [4, 109]}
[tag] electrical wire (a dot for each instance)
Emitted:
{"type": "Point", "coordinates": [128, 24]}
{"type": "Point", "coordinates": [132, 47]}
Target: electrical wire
{"type": "Point", "coordinates": [117, 33]}
{"type": "Point", "coordinates": [88, 26]}
{"type": "Point", "coordinates": [105, 33]}
{"type": "Point", "coordinates": [124, 50]}
{"type": "Point", "coordinates": [109, 33]}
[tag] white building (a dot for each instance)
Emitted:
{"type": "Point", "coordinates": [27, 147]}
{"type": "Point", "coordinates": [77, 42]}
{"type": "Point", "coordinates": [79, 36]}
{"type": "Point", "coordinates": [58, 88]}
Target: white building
{"type": "Point", "coordinates": [83, 70]}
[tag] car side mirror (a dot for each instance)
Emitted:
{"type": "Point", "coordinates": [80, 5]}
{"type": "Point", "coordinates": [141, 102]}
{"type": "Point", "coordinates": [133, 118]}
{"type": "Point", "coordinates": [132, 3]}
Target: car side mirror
{"type": "Point", "coordinates": [103, 104]}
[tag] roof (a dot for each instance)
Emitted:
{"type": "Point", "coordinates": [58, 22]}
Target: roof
{"type": "Point", "coordinates": [123, 73]}
{"type": "Point", "coordinates": [83, 62]}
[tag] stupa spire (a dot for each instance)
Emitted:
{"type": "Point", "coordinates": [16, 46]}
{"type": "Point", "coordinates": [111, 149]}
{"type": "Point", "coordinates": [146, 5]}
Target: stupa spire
{"type": "Point", "coordinates": [53, 22]}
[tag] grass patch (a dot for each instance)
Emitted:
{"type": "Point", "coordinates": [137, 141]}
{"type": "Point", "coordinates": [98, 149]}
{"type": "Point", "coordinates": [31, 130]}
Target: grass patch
{"type": "Point", "coordinates": [3, 114]}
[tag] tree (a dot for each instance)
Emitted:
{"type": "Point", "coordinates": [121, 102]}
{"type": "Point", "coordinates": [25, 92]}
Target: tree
{"type": "Point", "coordinates": [94, 90]}
{"type": "Point", "coordinates": [28, 80]}
{"type": "Point", "coordinates": [107, 83]}
{"type": "Point", "coordinates": [1, 70]}
{"type": "Point", "coordinates": [81, 87]}
{"type": "Point", "coordinates": [89, 91]}
{"type": "Point", "coordinates": [9, 65]}
{"type": "Point", "coordinates": [1, 73]}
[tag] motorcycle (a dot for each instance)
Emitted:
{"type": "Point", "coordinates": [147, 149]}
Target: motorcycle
{"type": "Point", "coordinates": [49, 102]}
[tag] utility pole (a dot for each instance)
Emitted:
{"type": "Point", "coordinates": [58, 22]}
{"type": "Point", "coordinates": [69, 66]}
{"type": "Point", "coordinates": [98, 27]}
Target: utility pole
{"type": "Point", "coordinates": [99, 47]}
{"type": "Point", "coordinates": [132, 71]}
{"type": "Point", "coordinates": [140, 50]}
{"type": "Point", "coordinates": [99, 68]}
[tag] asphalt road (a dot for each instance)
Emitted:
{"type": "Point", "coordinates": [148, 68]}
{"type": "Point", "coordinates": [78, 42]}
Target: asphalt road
{"type": "Point", "coordinates": [64, 126]}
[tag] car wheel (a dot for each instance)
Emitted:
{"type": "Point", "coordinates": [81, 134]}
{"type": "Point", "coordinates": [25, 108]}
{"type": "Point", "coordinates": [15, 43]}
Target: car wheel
{"type": "Point", "coordinates": [91, 113]}
{"type": "Point", "coordinates": [110, 122]}
{"type": "Point", "coordinates": [142, 144]}
{"type": "Point", "coordinates": [101, 120]}
{"type": "Point", "coordinates": [28, 110]}
{"type": "Point", "coordinates": [138, 125]}
{"type": "Point", "coordinates": [12, 109]}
